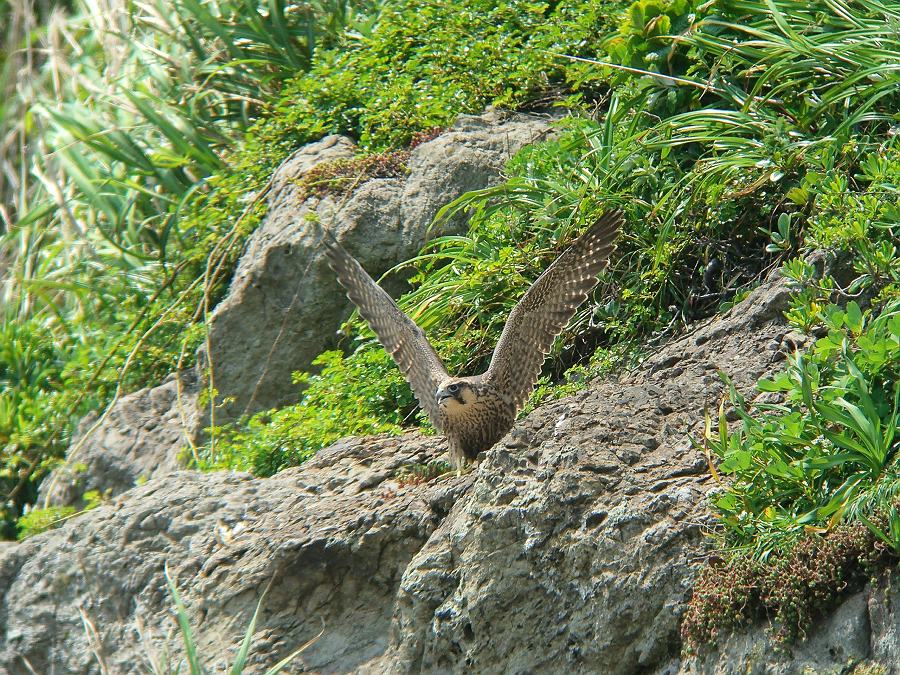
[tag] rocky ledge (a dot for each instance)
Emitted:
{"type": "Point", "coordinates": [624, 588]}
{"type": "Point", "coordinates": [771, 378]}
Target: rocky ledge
{"type": "Point", "coordinates": [571, 547]}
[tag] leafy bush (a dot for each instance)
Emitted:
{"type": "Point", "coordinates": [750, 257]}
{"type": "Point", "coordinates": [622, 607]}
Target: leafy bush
{"type": "Point", "coordinates": [825, 452]}
{"type": "Point", "coordinates": [645, 38]}
{"type": "Point", "coordinates": [362, 394]}
{"type": "Point", "coordinates": [34, 406]}
{"type": "Point", "coordinates": [791, 587]}
{"type": "Point", "coordinates": [36, 521]}
{"type": "Point", "coordinates": [423, 64]}
{"type": "Point", "coordinates": [115, 124]}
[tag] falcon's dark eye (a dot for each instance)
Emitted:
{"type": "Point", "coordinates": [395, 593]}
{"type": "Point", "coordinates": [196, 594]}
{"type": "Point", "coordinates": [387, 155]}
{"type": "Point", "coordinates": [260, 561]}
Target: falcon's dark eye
{"type": "Point", "coordinates": [453, 388]}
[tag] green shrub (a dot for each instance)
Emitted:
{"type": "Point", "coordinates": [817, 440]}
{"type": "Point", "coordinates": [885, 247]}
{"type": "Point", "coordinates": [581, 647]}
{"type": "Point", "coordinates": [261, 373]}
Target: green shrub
{"type": "Point", "coordinates": [36, 521]}
{"type": "Point", "coordinates": [791, 588]}
{"type": "Point", "coordinates": [34, 407]}
{"type": "Point", "coordinates": [361, 394]}
{"type": "Point", "coordinates": [423, 64]}
{"type": "Point", "coordinates": [645, 38]}
{"type": "Point", "coordinates": [113, 140]}
{"type": "Point", "coordinates": [828, 450]}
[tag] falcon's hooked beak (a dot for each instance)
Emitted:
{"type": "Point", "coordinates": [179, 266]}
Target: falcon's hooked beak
{"type": "Point", "coordinates": [451, 391]}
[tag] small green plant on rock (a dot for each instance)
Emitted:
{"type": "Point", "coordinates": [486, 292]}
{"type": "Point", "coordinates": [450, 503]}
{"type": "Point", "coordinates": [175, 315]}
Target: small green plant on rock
{"type": "Point", "coordinates": [357, 395]}
{"type": "Point", "coordinates": [163, 666]}
{"type": "Point", "coordinates": [827, 449]}
{"type": "Point", "coordinates": [36, 521]}
{"type": "Point", "coordinates": [811, 505]}
{"type": "Point", "coordinates": [790, 587]}
{"type": "Point", "coordinates": [342, 176]}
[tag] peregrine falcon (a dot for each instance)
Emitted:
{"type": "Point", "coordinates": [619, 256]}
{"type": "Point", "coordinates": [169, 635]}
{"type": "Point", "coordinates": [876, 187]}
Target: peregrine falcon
{"type": "Point", "coordinates": [475, 412]}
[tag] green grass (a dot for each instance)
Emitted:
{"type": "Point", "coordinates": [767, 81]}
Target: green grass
{"type": "Point", "coordinates": [163, 664]}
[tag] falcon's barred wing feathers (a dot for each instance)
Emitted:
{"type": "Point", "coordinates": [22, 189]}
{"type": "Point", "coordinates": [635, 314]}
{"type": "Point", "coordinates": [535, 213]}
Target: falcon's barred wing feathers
{"type": "Point", "coordinates": [547, 307]}
{"type": "Point", "coordinates": [400, 336]}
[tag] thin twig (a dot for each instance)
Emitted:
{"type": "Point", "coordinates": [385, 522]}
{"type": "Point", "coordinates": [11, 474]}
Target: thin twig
{"type": "Point", "coordinates": [706, 86]}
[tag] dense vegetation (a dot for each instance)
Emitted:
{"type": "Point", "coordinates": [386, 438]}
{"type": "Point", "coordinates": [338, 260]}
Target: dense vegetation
{"type": "Point", "coordinates": [118, 124]}
{"type": "Point", "coordinates": [739, 136]}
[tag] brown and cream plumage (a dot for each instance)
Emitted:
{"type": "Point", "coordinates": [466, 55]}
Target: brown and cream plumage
{"type": "Point", "coordinates": [476, 412]}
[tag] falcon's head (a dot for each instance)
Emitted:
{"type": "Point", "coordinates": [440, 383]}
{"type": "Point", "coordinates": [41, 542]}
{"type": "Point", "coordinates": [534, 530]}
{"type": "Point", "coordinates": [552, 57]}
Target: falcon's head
{"type": "Point", "coordinates": [455, 392]}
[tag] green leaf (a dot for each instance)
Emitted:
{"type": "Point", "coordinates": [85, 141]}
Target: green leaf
{"type": "Point", "coordinates": [190, 645]}
{"type": "Point", "coordinates": [782, 382]}
{"type": "Point", "coordinates": [854, 318]}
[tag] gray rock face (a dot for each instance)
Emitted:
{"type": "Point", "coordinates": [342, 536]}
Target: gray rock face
{"type": "Point", "coordinates": [860, 636]}
{"type": "Point", "coordinates": [284, 304]}
{"type": "Point", "coordinates": [141, 438]}
{"type": "Point", "coordinates": [577, 544]}
{"type": "Point", "coordinates": [333, 539]}
{"type": "Point", "coordinates": [570, 548]}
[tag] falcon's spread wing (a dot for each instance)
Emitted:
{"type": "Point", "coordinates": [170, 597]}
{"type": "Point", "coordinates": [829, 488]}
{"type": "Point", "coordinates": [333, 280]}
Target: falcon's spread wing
{"type": "Point", "coordinates": [546, 308]}
{"type": "Point", "coordinates": [401, 337]}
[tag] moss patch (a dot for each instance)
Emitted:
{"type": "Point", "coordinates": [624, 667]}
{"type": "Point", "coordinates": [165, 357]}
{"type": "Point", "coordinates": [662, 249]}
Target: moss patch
{"type": "Point", "coordinates": [791, 588]}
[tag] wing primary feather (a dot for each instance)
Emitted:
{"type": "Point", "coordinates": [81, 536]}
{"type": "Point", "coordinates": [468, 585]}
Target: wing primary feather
{"type": "Point", "coordinates": [547, 307]}
{"type": "Point", "coordinates": [400, 336]}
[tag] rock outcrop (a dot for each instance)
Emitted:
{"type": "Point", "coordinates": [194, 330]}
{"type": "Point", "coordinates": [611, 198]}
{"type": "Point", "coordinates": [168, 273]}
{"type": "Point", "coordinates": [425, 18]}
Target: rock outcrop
{"type": "Point", "coordinates": [572, 547]}
{"type": "Point", "coordinates": [862, 631]}
{"type": "Point", "coordinates": [575, 549]}
{"type": "Point", "coordinates": [142, 437]}
{"type": "Point", "coordinates": [284, 305]}
{"type": "Point", "coordinates": [333, 538]}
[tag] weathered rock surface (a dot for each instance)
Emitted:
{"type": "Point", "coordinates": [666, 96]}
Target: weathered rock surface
{"type": "Point", "coordinates": [575, 549]}
{"type": "Point", "coordinates": [333, 538]}
{"type": "Point", "coordinates": [141, 438]}
{"type": "Point", "coordinates": [861, 633]}
{"type": "Point", "coordinates": [284, 305]}
{"type": "Point", "coordinates": [571, 548]}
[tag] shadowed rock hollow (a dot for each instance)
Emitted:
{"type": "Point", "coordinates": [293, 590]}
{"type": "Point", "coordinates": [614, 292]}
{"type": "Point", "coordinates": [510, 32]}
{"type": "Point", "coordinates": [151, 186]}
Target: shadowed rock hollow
{"type": "Point", "coordinates": [570, 548]}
